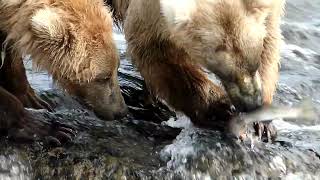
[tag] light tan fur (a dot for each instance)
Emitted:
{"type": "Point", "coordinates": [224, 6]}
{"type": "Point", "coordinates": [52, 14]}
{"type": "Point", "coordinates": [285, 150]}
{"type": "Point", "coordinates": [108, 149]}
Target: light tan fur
{"type": "Point", "coordinates": [72, 40]}
{"type": "Point", "coordinates": [238, 40]}
{"type": "Point", "coordinates": [63, 36]}
{"type": "Point", "coordinates": [232, 39]}
{"type": "Point", "coordinates": [11, 2]}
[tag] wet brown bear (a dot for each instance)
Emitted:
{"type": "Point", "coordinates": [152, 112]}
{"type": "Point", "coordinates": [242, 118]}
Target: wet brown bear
{"type": "Point", "coordinates": [72, 40]}
{"type": "Point", "coordinates": [171, 41]}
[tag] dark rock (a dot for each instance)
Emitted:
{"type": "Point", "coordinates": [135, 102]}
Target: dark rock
{"type": "Point", "coordinates": [140, 149]}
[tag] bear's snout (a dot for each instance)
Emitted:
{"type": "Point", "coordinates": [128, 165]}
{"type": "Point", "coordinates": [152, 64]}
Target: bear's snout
{"type": "Point", "coordinates": [246, 93]}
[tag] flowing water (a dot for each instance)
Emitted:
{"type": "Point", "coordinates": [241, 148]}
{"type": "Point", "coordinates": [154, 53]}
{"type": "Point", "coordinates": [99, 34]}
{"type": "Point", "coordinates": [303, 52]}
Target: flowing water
{"type": "Point", "coordinates": [204, 154]}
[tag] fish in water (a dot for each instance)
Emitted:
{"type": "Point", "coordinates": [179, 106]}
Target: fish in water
{"type": "Point", "coordinates": [238, 124]}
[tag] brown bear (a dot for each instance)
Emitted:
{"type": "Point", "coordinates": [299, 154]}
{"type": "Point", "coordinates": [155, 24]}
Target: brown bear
{"type": "Point", "coordinates": [72, 40]}
{"type": "Point", "coordinates": [172, 41]}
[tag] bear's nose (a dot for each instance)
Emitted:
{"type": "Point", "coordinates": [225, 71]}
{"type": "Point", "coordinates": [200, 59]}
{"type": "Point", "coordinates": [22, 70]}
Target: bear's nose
{"type": "Point", "coordinates": [246, 102]}
{"type": "Point", "coordinates": [245, 93]}
{"type": "Point", "coordinates": [250, 103]}
{"type": "Point", "coordinates": [121, 114]}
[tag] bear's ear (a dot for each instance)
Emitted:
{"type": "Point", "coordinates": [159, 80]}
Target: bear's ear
{"type": "Point", "coordinates": [177, 11]}
{"type": "Point", "coordinates": [48, 25]}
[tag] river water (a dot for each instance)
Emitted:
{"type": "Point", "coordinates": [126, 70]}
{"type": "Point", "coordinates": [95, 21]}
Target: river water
{"type": "Point", "coordinates": [299, 79]}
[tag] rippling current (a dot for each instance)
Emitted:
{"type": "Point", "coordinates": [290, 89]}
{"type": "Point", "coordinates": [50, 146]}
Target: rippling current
{"type": "Point", "coordinates": [300, 74]}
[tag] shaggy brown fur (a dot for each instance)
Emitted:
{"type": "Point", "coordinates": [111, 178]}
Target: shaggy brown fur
{"type": "Point", "coordinates": [15, 94]}
{"type": "Point", "coordinates": [64, 32]}
{"type": "Point", "coordinates": [237, 40]}
{"type": "Point", "coordinates": [72, 40]}
{"type": "Point", "coordinates": [170, 42]}
{"type": "Point", "coordinates": [118, 9]}
{"type": "Point", "coordinates": [13, 78]}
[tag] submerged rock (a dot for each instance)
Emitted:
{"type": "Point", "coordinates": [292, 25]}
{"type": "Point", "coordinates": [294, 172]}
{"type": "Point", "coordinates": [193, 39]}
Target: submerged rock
{"type": "Point", "coordinates": [140, 149]}
{"type": "Point", "coordinates": [101, 149]}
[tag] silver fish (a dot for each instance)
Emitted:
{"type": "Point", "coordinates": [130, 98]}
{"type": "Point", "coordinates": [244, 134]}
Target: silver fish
{"type": "Point", "coordinates": [305, 111]}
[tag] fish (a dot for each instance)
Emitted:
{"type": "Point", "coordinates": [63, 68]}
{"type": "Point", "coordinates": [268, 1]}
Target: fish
{"type": "Point", "coordinates": [303, 112]}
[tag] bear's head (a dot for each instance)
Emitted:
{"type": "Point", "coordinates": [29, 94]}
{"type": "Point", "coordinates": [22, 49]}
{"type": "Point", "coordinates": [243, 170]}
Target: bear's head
{"type": "Point", "coordinates": [226, 37]}
{"type": "Point", "coordinates": [73, 40]}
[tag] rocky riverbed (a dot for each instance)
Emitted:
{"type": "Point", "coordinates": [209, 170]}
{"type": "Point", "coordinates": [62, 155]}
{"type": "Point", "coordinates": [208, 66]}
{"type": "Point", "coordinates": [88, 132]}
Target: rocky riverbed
{"type": "Point", "coordinates": [153, 142]}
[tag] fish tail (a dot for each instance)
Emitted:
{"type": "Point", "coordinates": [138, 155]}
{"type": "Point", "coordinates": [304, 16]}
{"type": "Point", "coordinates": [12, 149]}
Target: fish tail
{"type": "Point", "coordinates": [307, 110]}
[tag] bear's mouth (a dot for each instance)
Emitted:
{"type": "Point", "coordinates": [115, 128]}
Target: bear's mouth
{"type": "Point", "coordinates": [244, 98]}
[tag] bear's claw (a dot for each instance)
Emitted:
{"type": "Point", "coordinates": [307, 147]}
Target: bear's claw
{"type": "Point", "coordinates": [265, 131]}
{"type": "Point", "coordinates": [32, 100]}
{"type": "Point", "coordinates": [32, 129]}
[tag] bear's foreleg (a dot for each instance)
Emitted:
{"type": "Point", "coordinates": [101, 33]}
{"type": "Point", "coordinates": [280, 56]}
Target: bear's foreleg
{"type": "Point", "coordinates": [19, 124]}
{"type": "Point", "coordinates": [15, 93]}
{"type": "Point", "coordinates": [13, 76]}
{"type": "Point", "coordinates": [185, 87]}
